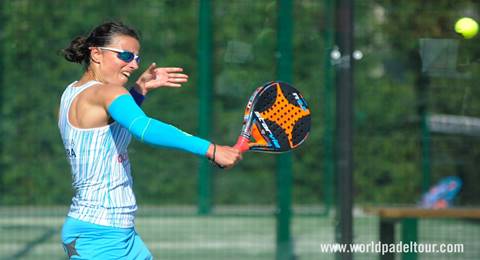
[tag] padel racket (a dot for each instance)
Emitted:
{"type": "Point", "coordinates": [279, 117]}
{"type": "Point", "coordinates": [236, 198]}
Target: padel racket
{"type": "Point", "coordinates": [276, 119]}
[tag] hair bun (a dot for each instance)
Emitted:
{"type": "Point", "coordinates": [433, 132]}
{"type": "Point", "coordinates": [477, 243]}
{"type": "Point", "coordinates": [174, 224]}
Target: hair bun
{"type": "Point", "coordinates": [77, 51]}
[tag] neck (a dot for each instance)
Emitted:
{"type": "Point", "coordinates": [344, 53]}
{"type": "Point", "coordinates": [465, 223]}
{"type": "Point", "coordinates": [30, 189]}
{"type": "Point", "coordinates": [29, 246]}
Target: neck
{"type": "Point", "coordinates": [89, 75]}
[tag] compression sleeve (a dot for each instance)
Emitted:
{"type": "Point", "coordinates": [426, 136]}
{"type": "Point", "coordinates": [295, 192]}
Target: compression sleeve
{"type": "Point", "coordinates": [128, 114]}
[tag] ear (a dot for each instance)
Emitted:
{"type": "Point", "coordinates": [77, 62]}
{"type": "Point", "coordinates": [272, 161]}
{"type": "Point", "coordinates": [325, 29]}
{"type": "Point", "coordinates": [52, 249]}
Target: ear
{"type": "Point", "coordinates": [95, 55]}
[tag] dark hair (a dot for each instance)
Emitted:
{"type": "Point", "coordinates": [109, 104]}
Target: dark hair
{"type": "Point", "coordinates": [100, 36]}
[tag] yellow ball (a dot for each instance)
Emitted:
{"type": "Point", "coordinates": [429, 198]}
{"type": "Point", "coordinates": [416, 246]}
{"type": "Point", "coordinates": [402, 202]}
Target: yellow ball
{"type": "Point", "coordinates": [467, 27]}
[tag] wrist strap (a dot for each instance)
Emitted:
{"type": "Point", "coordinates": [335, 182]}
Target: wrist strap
{"type": "Point", "coordinates": [213, 157]}
{"type": "Point", "coordinates": [137, 96]}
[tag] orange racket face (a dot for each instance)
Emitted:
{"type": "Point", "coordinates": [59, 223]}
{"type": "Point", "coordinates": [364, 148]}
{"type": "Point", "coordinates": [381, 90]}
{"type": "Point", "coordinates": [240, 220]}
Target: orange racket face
{"type": "Point", "coordinates": [277, 118]}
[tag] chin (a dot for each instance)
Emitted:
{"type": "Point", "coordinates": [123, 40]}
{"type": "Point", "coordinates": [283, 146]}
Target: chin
{"type": "Point", "coordinates": [122, 81]}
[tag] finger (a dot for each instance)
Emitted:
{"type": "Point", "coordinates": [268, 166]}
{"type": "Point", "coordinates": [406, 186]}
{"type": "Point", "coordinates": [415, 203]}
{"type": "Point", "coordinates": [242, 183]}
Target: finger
{"type": "Point", "coordinates": [178, 80]}
{"type": "Point", "coordinates": [172, 85]}
{"type": "Point", "coordinates": [235, 151]}
{"type": "Point", "coordinates": [177, 75]}
{"type": "Point", "coordinates": [152, 67]}
{"type": "Point", "coordinates": [173, 69]}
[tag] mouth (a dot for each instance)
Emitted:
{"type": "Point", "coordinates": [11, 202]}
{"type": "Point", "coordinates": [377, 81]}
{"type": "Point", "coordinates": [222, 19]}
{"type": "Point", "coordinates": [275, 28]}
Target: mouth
{"type": "Point", "coordinates": [126, 74]}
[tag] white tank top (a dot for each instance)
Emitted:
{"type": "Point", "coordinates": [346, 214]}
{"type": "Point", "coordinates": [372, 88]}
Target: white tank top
{"type": "Point", "coordinates": [101, 176]}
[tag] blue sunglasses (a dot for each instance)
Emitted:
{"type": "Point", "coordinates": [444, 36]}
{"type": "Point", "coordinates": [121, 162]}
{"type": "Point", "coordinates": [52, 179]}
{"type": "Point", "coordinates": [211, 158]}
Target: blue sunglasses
{"type": "Point", "coordinates": [126, 56]}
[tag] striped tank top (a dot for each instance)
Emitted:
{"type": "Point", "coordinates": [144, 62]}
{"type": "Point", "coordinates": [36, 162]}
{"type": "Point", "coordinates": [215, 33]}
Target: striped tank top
{"type": "Point", "coordinates": [100, 168]}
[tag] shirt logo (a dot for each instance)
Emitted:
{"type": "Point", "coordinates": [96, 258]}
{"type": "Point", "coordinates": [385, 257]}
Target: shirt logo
{"type": "Point", "coordinates": [69, 149]}
{"type": "Point", "coordinates": [70, 248]}
{"type": "Point", "coordinates": [70, 153]}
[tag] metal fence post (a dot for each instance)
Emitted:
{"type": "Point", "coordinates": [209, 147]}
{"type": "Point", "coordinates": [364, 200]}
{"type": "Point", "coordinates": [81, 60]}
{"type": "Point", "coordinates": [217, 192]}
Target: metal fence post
{"type": "Point", "coordinates": [205, 83]}
{"type": "Point", "coordinates": [328, 99]}
{"type": "Point", "coordinates": [344, 127]}
{"type": "Point", "coordinates": [284, 161]}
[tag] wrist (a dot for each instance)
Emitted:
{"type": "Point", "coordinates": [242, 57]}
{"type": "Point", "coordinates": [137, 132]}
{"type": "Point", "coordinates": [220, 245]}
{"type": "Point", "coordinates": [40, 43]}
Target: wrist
{"type": "Point", "coordinates": [210, 151]}
{"type": "Point", "coordinates": [137, 96]}
{"type": "Point", "coordinates": [142, 90]}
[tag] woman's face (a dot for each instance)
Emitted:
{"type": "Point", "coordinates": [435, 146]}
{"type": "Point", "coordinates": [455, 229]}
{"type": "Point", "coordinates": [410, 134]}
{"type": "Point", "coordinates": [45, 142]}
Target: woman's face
{"type": "Point", "coordinates": [111, 68]}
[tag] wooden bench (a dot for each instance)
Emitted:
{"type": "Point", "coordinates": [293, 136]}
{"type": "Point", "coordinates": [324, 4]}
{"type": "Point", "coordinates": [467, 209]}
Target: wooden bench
{"type": "Point", "coordinates": [408, 218]}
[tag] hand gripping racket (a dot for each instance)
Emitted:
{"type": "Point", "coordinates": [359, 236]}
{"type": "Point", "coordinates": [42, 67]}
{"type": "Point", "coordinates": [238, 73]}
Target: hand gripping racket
{"type": "Point", "coordinates": [276, 119]}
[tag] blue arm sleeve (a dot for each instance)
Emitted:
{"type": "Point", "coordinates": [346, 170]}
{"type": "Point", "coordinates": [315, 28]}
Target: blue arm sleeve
{"type": "Point", "coordinates": [128, 114]}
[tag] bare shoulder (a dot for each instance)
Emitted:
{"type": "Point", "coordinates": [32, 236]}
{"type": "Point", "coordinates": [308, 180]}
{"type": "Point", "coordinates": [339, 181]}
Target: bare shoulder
{"type": "Point", "coordinates": [106, 93]}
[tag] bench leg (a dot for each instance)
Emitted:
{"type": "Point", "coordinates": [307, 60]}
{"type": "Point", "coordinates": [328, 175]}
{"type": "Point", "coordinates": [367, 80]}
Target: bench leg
{"type": "Point", "coordinates": [409, 234]}
{"type": "Point", "coordinates": [387, 236]}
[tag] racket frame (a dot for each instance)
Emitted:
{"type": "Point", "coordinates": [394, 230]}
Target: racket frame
{"type": "Point", "coordinates": [249, 127]}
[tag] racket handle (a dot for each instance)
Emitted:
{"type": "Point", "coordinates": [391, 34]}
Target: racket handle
{"type": "Point", "coordinates": [242, 144]}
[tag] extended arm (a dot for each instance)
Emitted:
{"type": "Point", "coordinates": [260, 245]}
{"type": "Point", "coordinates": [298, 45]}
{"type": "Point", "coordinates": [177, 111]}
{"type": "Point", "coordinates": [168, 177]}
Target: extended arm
{"type": "Point", "coordinates": [128, 114]}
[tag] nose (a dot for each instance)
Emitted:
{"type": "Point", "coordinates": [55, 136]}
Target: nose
{"type": "Point", "coordinates": [133, 64]}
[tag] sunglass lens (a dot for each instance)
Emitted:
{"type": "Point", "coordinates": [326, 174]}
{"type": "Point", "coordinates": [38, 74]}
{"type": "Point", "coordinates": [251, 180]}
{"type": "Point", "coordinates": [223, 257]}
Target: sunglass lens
{"type": "Point", "coordinates": [126, 56]}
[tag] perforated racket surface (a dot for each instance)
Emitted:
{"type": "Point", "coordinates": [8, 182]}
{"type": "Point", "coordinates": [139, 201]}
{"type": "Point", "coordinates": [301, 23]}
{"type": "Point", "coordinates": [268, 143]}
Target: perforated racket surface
{"type": "Point", "coordinates": [277, 119]}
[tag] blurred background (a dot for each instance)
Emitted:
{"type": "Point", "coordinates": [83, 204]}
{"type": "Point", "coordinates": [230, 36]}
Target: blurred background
{"type": "Point", "coordinates": [414, 121]}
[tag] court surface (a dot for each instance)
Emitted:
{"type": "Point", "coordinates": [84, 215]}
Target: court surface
{"type": "Point", "coordinates": [178, 233]}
